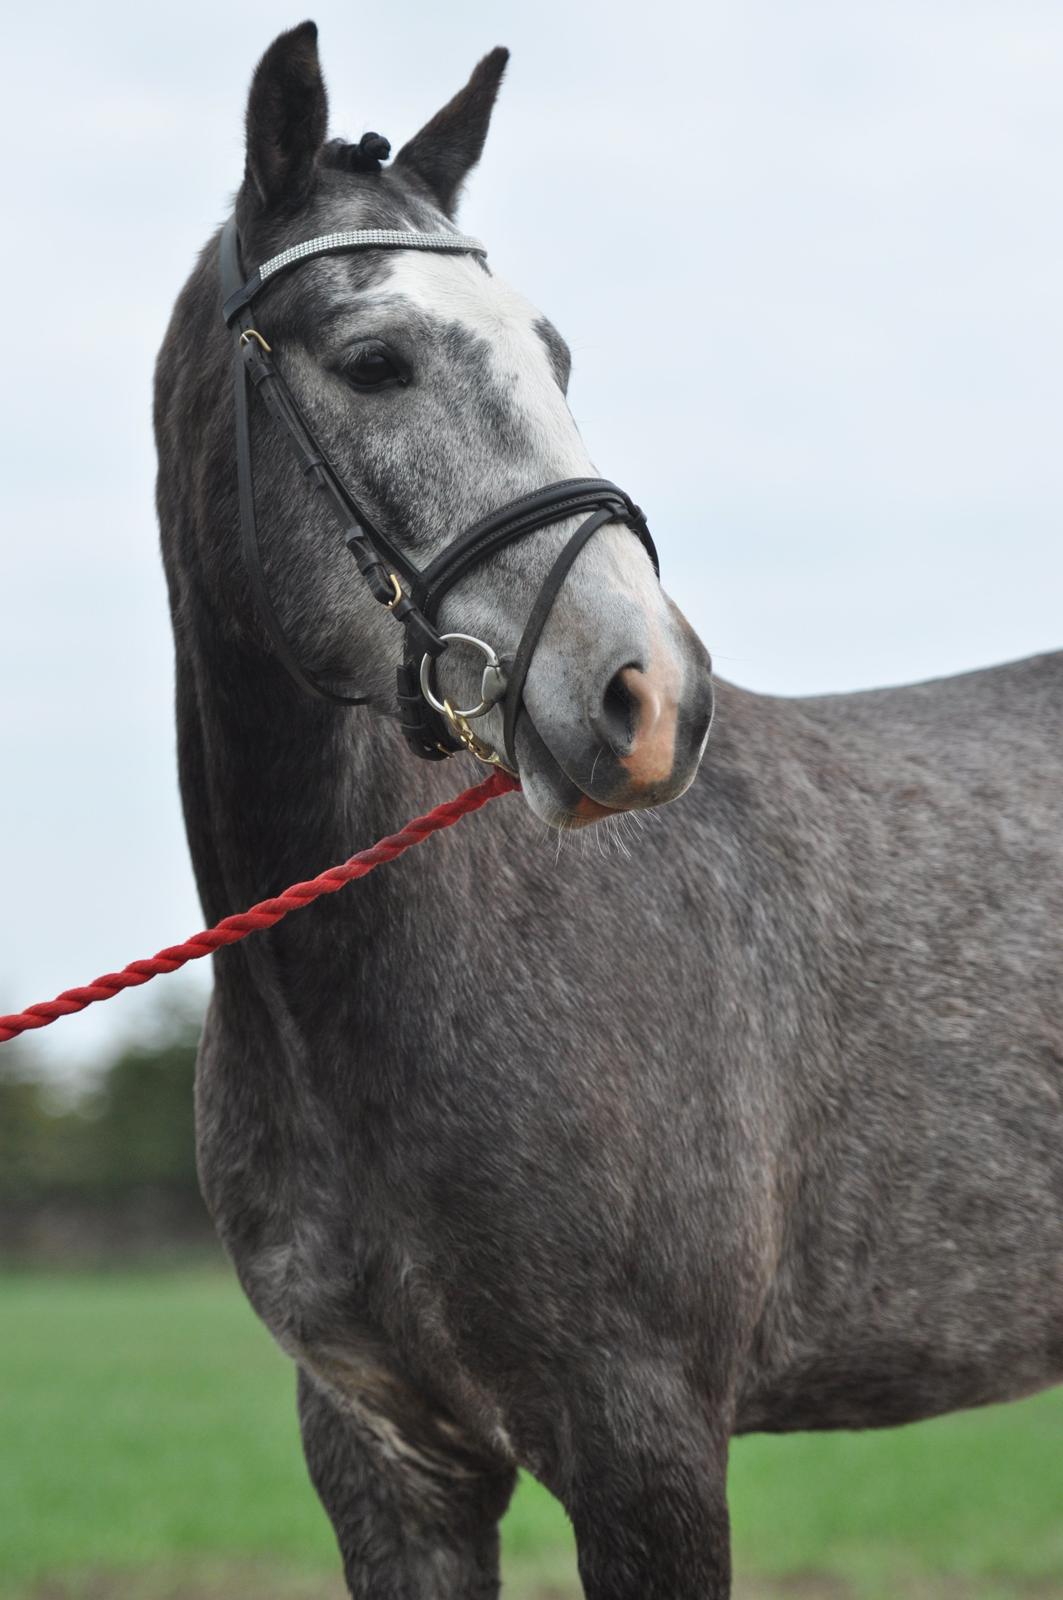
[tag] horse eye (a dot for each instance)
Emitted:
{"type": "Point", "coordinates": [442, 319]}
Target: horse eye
{"type": "Point", "coordinates": [372, 366]}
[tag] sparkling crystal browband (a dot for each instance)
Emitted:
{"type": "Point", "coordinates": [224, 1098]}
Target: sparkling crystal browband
{"type": "Point", "coordinates": [370, 239]}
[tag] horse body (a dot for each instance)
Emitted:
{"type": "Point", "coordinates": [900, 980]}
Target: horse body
{"type": "Point", "coordinates": [925, 1255]}
{"type": "Point", "coordinates": [586, 1164]}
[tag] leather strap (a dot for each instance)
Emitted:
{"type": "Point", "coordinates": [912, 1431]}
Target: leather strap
{"type": "Point", "coordinates": [425, 731]}
{"type": "Point", "coordinates": [252, 554]}
{"type": "Point", "coordinates": [244, 352]}
{"type": "Point", "coordinates": [365, 543]}
{"type": "Point", "coordinates": [540, 509]}
{"type": "Point", "coordinates": [544, 604]}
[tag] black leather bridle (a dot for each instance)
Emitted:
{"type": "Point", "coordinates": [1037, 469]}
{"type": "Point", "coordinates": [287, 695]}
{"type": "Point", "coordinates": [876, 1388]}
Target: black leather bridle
{"type": "Point", "coordinates": [433, 728]}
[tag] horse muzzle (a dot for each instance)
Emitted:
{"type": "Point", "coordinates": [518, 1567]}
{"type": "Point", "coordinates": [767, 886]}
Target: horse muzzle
{"type": "Point", "coordinates": [631, 739]}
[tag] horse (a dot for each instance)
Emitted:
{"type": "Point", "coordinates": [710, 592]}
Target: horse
{"type": "Point", "coordinates": [578, 1162]}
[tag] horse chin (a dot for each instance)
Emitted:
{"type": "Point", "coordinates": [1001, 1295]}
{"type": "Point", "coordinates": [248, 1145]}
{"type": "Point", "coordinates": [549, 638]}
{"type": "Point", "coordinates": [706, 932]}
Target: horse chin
{"type": "Point", "coordinates": [553, 796]}
{"type": "Point", "coordinates": [562, 805]}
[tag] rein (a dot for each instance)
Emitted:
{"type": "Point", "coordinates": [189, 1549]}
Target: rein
{"type": "Point", "coordinates": [433, 728]}
{"type": "Point", "coordinates": [266, 914]}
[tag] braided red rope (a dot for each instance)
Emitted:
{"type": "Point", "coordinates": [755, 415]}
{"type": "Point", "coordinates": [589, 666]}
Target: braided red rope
{"type": "Point", "coordinates": [231, 929]}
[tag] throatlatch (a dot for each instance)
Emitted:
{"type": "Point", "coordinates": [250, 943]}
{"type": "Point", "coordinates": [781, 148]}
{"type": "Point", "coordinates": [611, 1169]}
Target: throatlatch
{"type": "Point", "coordinates": [434, 729]}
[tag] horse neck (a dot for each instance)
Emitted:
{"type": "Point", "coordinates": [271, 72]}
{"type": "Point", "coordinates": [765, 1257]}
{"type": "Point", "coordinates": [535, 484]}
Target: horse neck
{"type": "Point", "coordinates": [277, 786]}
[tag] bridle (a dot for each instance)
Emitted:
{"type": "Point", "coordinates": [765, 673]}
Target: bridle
{"type": "Point", "coordinates": [433, 727]}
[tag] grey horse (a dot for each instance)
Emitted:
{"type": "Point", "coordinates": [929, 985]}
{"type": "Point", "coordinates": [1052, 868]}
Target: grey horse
{"type": "Point", "coordinates": [582, 1165]}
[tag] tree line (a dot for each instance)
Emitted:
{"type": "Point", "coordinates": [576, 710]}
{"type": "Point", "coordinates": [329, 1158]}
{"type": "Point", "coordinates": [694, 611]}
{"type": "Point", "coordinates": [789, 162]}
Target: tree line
{"type": "Point", "coordinates": [108, 1163]}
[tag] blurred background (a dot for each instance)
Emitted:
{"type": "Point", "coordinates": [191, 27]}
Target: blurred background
{"type": "Point", "coordinates": [808, 257]}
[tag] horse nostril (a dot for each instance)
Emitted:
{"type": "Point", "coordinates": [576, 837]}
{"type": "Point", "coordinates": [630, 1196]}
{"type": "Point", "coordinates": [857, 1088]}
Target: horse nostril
{"type": "Point", "coordinates": [618, 718]}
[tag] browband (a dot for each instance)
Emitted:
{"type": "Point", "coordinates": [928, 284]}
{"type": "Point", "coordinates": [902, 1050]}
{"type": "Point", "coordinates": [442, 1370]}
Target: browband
{"type": "Point", "coordinates": [330, 244]}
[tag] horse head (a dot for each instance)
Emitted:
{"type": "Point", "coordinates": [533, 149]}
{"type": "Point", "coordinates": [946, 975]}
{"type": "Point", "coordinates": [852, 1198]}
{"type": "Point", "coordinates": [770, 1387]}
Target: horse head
{"type": "Point", "coordinates": [437, 394]}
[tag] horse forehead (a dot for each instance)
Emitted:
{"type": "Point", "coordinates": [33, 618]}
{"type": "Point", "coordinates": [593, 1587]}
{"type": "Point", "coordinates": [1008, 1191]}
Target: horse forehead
{"type": "Point", "coordinates": [456, 289]}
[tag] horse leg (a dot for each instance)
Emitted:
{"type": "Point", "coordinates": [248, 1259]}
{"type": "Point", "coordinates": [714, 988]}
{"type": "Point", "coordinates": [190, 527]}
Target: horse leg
{"type": "Point", "coordinates": [416, 1517]}
{"type": "Point", "coordinates": [650, 1516]}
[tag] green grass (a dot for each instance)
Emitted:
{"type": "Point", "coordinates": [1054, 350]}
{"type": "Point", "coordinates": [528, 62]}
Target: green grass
{"type": "Point", "coordinates": [147, 1426]}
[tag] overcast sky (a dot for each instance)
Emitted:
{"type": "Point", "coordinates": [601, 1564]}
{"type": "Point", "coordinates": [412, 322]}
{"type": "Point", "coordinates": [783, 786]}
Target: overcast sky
{"type": "Point", "coordinates": [809, 258]}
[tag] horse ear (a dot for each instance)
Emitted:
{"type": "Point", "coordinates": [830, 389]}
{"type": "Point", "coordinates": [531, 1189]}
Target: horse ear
{"type": "Point", "coordinates": [287, 119]}
{"type": "Point", "coordinates": [447, 148]}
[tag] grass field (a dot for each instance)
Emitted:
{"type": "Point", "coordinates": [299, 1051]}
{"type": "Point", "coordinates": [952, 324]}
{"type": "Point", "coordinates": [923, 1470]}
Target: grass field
{"type": "Point", "coordinates": [148, 1451]}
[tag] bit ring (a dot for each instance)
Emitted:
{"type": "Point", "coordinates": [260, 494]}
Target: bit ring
{"type": "Point", "coordinates": [492, 685]}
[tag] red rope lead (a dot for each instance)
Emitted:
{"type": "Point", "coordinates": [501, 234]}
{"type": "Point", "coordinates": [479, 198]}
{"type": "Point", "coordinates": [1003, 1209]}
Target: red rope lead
{"type": "Point", "coordinates": [231, 929]}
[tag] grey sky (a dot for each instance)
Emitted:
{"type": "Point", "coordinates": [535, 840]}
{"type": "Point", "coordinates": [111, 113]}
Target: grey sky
{"type": "Point", "coordinates": [809, 258]}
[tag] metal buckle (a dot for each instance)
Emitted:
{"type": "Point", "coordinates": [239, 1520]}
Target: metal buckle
{"type": "Point", "coordinates": [253, 333]}
{"type": "Point", "coordinates": [492, 684]}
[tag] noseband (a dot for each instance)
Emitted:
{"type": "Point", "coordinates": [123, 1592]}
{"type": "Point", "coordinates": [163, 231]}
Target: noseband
{"type": "Point", "coordinates": [433, 727]}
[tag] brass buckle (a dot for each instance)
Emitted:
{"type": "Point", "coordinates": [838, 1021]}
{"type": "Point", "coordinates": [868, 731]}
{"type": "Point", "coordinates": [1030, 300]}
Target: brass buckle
{"type": "Point", "coordinates": [253, 333]}
{"type": "Point", "coordinates": [389, 605]}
